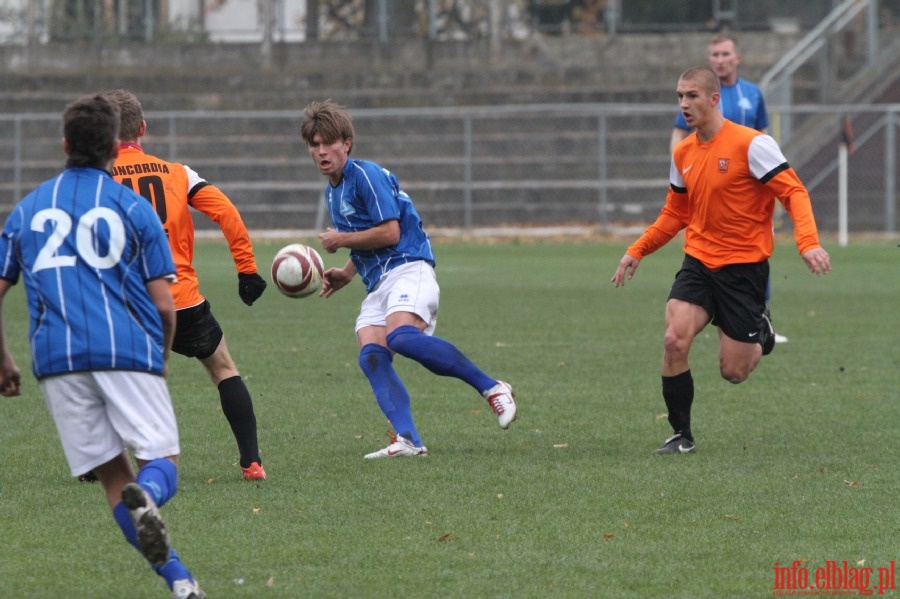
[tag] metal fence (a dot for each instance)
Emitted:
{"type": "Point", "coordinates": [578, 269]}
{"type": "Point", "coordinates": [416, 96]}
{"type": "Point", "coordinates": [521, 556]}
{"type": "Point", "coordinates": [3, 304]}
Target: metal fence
{"type": "Point", "coordinates": [29, 21]}
{"type": "Point", "coordinates": [603, 166]}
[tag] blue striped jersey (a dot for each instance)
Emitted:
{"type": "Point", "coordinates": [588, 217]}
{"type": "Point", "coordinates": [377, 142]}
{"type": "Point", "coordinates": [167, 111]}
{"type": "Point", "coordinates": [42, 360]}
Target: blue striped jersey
{"type": "Point", "coordinates": [85, 246]}
{"type": "Point", "coordinates": [367, 196]}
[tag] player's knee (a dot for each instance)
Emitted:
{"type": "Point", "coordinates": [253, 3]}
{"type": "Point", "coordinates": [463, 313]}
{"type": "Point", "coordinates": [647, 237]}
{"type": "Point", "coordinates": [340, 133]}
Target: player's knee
{"type": "Point", "coordinates": [402, 339]}
{"type": "Point", "coordinates": [372, 356]}
{"type": "Point", "coordinates": [675, 345]}
{"type": "Point", "coordinates": [733, 373]}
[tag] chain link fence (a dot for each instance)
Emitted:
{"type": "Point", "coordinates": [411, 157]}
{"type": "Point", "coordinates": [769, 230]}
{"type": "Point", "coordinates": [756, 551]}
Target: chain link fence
{"type": "Point", "coordinates": [603, 166]}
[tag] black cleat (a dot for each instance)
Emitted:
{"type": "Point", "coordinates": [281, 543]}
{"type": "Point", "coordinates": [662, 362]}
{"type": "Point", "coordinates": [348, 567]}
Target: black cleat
{"type": "Point", "coordinates": [677, 443]}
{"type": "Point", "coordinates": [151, 529]}
{"type": "Point", "coordinates": [88, 477]}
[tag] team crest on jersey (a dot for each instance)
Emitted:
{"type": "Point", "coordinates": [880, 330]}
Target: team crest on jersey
{"type": "Point", "coordinates": [346, 208]}
{"type": "Point", "coordinates": [723, 165]}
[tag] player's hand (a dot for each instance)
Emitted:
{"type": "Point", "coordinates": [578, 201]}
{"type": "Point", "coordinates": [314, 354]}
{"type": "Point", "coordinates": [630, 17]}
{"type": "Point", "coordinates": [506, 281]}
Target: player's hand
{"type": "Point", "coordinates": [11, 380]}
{"type": "Point", "coordinates": [627, 265]}
{"type": "Point", "coordinates": [818, 261]}
{"type": "Point", "coordinates": [250, 287]}
{"type": "Point", "coordinates": [329, 240]}
{"type": "Point", "coordinates": [334, 279]}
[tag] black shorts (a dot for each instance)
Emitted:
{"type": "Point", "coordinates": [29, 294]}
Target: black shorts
{"type": "Point", "coordinates": [197, 332]}
{"type": "Point", "coordinates": [734, 296]}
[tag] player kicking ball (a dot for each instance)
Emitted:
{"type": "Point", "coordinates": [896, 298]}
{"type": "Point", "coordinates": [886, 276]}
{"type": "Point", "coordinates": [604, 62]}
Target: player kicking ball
{"type": "Point", "coordinates": [373, 218]}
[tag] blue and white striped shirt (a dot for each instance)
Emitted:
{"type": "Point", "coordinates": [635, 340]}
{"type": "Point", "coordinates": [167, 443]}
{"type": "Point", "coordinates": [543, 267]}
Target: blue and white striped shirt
{"type": "Point", "coordinates": [367, 196]}
{"type": "Point", "coordinates": [85, 246]}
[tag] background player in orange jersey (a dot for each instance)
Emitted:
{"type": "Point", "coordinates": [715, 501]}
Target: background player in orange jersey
{"type": "Point", "coordinates": [172, 189]}
{"type": "Point", "coordinates": [723, 182]}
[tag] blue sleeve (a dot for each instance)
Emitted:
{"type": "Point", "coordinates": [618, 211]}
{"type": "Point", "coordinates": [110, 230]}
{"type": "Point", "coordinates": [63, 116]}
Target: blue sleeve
{"type": "Point", "coordinates": [762, 117]}
{"type": "Point", "coordinates": [378, 192]}
{"type": "Point", "coordinates": [680, 123]}
{"type": "Point", "coordinates": [9, 265]}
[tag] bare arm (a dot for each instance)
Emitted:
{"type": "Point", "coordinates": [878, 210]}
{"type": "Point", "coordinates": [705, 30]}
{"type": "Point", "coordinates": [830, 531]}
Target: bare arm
{"type": "Point", "coordinates": [162, 298]}
{"type": "Point", "coordinates": [380, 236]}
{"type": "Point", "coordinates": [10, 376]}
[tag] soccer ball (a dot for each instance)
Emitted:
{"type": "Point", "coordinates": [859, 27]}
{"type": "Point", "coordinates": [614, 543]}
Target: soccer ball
{"type": "Point", "coordinates": [297, 270]}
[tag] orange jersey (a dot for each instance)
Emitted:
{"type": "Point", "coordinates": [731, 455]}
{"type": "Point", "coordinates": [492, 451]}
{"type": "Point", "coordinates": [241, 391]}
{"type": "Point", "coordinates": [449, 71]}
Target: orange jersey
{"type": "Point", "coordinates": [173, 189]}
{"type": "Point", "coordinates": [722, 192]}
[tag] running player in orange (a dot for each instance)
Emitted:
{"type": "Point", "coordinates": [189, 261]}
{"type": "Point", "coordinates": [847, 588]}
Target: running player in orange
{"type": "Point", "coordinates": [724, 179]}
{"type": "Point", "coordinates": [173, 189]}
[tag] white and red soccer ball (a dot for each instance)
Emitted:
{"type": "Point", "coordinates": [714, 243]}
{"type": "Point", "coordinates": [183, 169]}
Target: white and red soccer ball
{"type": "Point", "coordinates": [297, 270]}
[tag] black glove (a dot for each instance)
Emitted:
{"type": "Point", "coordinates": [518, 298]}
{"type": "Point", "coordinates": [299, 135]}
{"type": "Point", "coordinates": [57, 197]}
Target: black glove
{"type": "Point", "coordinates": [250, 287]}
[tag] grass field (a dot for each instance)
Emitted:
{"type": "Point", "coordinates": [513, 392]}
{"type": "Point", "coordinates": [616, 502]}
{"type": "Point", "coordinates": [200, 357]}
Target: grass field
{"type": "Point", "coordinates": [799, 463]}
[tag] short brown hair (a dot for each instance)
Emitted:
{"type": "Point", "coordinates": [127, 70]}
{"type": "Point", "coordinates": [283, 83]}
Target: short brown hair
{"type": "Point", "coordinates": [705, 76]}
{"type": "Point", "coordinates": [131, 113]}
{"type": "Point", "coordinates": [725, 37]}
{"type": "Point", "coordinates": [91, 130]}
{"type": "Point", "coordinates": [328, 119]}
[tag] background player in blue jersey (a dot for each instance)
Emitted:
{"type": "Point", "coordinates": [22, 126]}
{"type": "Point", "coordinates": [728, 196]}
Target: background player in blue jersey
{"type": "Point", "coordinates": [741, 102]}
{"type": "Point", "coordinates": [97, 269]}
{"type": "Point", "coordinates": [373, 218]}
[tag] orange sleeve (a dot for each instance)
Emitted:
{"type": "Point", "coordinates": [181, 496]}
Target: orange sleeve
{"type": "Point", "coordinates": [672, 218]}
{"type": "Point", "coordinates": [210, 200]}
{"type": "Point", "coordinates": [791, 192]}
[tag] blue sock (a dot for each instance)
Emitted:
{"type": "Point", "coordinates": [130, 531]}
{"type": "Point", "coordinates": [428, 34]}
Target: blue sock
{"type": "Point", "coordinates": [123, 519]}
{"type": "Point", "coordinates": [439, 356]}
{"type": "Point", "coordinates": [173, 569]}
{"type": "Point", "coordinates": [392, 396]}
{"type": "Point", "coordinates": [160, 479]}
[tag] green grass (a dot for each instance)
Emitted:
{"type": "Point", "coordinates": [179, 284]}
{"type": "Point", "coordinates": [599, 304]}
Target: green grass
{"type": "Point", "coordinates": [798, 463]}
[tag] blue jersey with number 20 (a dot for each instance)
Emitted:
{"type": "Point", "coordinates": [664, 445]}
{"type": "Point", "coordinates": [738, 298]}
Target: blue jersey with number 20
{"type": "Point", "coordinates": [85, 246]}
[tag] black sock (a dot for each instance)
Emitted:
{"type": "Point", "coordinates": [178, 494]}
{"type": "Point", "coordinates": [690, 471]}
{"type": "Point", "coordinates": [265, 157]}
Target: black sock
{"type": "Point", "coordinates": [238, 408]}
{"type": "Point", "coordinates": [678, 392]}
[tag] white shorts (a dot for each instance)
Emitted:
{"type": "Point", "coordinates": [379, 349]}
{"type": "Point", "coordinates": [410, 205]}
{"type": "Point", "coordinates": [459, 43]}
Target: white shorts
{"type": "Point", "coordinates": [100, 414]}
{"type": "Point", "coordinates": [410, 288]}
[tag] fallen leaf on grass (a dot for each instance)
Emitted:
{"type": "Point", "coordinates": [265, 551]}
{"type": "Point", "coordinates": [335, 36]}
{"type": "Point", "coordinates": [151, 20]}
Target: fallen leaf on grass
{"type": "Point", "coordinates": [270, 582]}
{"type": "Point", "coordinates": [256, 510]}
{"type": "Point", "coordinates": [443, 538]}
{"type": "Point", "coordinates": [851, 483]}
{"type": "Point", "coordinates": [608, 535]}
{"type": "Point", "coordinates": [661, 416]}
{"type": "Point", "coordinates": [560, 445]}
{"type": "Point", "coordinates": [210, 481]}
